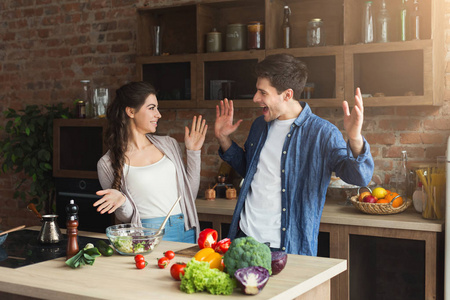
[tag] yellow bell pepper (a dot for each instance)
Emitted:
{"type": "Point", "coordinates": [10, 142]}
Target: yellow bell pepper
{"type": "Point", "coordinates": [209, 255]}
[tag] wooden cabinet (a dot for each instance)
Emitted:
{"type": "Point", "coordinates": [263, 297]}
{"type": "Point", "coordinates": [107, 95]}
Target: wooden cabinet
{"type": "Point", "coordinates": [389, 74]}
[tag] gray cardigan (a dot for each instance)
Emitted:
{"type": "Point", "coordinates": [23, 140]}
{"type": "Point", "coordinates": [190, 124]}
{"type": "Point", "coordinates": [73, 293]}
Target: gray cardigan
{"type": "Point", "coordinates": [188, 181]}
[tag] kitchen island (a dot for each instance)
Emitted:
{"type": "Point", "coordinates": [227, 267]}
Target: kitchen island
{"type": "Point", "coordinates": [116, 277]}
{"type": "Point", "coordinates": [358, 237]}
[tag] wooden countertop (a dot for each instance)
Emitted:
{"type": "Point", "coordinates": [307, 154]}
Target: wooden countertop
{"type": "Point", "coordinates": [334, 213]}
{"type": "Point", "coordinates": [116, 277]}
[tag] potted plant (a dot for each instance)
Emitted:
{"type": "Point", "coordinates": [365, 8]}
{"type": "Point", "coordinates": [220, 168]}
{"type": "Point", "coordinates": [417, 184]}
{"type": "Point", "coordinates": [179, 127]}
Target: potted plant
{"type": "Point", "coordinates": [28, 149]}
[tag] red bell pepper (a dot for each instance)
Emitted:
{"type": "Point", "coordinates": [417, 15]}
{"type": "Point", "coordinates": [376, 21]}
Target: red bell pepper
{"type": "Point", "coordinates": [207, 238]}
{"type": "Point", "coordinates": [222, 246]}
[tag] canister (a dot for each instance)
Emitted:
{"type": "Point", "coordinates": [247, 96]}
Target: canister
{"type": "Point", "coordinates": [236, 37]}
{"type": "Point", "coordinates": [214, 41]}
{"type": "Point", "coordinates": [255, 35]}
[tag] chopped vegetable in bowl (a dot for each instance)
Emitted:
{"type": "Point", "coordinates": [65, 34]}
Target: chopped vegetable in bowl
{"type": "Point", "coordinates": [129, 240]}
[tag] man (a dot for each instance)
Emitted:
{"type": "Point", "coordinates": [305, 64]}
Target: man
{"type": "Point", "coordinates": [288, 159]}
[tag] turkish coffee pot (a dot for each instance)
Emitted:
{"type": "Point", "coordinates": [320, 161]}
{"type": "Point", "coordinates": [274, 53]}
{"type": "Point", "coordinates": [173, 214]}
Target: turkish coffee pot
{"type": "Point", "coordinates": [50, 232]}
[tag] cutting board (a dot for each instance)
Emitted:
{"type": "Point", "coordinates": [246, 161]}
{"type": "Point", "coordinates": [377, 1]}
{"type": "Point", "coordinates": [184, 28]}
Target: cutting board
{"type": "Point", "coordinates": [188, 252]}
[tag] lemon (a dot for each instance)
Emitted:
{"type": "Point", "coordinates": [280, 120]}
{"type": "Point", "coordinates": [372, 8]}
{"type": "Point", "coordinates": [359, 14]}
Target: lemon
{"type": "Point", "coordinates": [379, 192]}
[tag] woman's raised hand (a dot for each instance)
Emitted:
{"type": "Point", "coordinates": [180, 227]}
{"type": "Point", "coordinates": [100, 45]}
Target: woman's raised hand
{"type": "Point", "coordinates": [112, 199]}
{"type": "Point", "coordinates": [196, 137]}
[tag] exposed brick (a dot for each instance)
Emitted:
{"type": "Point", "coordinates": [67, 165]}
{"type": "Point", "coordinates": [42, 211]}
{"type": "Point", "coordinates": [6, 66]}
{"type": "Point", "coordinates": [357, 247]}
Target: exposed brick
{"type": "Point", "coordinates": [437, 124]}
{"type": "Point", "coordinates": [422, 138]}
{"type": "Point", "coordinates": [120, 48]}
{"type": "Point", "coordinates": [380, 138]}
{"type": "Point", "coordinates": [119, 36]}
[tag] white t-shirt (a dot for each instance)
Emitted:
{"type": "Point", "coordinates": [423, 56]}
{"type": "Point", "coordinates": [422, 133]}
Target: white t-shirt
{"type": "Point", "coordinates": [154, 188]}
{"type": "Point", "coordinates": [261, 216]}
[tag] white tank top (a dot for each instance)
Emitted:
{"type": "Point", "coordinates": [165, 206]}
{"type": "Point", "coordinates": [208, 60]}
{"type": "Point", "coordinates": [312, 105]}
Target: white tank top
{"type": "Point", "coordinates": [154, 188]}
{"type": "Point", "coordinates": [261, 216]}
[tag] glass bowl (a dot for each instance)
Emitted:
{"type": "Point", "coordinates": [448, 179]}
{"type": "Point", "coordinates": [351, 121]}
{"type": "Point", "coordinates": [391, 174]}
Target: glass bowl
{"type": "Point", "coordinates": [128, 239]}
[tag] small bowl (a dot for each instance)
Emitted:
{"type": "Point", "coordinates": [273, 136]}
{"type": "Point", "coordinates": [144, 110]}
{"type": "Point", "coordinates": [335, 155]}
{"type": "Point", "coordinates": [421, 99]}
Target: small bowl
{"type": "Point", "coordinates": [127, 239]}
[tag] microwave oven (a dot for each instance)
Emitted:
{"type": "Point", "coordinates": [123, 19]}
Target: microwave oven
{"type": "Point", "coordinates": [78, 144]}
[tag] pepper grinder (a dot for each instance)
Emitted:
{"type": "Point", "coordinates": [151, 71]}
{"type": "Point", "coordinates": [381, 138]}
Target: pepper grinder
{"type": "Point", "coordinates": [72, 229]}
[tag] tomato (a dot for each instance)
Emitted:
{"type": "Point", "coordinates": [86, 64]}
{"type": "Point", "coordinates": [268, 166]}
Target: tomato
{"type": "Point", "coordinates": [163, 262]}
{"type": "Point", "coordinates": [141, 264]}
{"type": "Point", "coordinates": [169, 254]}
{"type": "Point", "coordinates": [177, 269]}
{"type": "Point", "coordinates": [139, 257]}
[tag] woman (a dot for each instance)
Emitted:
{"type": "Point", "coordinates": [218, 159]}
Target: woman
{"type": "Point", "coordinates": [142, 175]}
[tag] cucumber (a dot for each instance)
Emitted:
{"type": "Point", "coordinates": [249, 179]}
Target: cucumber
{"type": "Point", "coordinates": [104, 248]}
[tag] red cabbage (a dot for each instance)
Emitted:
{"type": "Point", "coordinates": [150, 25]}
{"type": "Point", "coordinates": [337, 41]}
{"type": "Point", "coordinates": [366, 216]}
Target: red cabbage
{"type": "Point", "coordinates": [252, 279]}
{"type": "Point", "coordinates": [279, 260]}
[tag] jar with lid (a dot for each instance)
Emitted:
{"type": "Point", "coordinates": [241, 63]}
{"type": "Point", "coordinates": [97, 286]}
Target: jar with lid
{"type": "Point", "coordinates": [213, 41]}
{"type": "Point", "coordinates": [236, 37]}
{"type": "Point", "coordinates": [255, 35]}
{"type": "Point", "coordinates": [315, 35]}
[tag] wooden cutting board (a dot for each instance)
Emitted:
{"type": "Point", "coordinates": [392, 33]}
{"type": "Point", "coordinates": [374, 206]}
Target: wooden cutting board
{"type": "Point", "coordinates": [188, 252]}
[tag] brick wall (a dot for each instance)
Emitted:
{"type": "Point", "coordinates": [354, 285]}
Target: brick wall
{"type": "Point", "coordinates": [48, 46]}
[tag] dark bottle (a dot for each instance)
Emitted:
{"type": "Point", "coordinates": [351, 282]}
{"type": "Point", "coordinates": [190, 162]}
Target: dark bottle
{"type": "Point", "coordinates": [72, 229]}
{"type": "Point", "coordinates": [286, 27]}
{"type": "Point", "coordinates": [415, 18]}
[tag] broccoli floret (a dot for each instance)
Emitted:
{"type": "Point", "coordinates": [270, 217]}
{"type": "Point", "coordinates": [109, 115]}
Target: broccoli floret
{"type": "Point", "coordinates": [245, 252]}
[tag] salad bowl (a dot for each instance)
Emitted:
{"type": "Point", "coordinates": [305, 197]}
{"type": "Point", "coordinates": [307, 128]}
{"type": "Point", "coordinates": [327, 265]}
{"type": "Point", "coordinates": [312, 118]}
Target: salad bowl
{"type": "Point", "coordinates": [128, 239]}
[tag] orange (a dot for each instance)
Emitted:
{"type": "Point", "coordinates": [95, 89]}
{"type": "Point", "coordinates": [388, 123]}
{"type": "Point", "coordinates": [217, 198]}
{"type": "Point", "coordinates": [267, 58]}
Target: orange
{"type": "Point", "coordinates": [383, 201]}
{"type": "Point", "coordinates": [362, 195]}
{"type": "Point", "coordinates": [397, 202]}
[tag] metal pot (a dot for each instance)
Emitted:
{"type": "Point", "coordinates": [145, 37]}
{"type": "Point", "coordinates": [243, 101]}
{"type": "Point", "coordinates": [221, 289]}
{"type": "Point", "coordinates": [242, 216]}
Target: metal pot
{"type": "Point", "coordinates": [50, 232]}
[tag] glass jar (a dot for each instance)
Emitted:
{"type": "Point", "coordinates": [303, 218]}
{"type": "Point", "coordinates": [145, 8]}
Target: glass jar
{"type": "Point", "coordinates": [255, 35]}
{"type": "Point", "coordinates": [315, 35]}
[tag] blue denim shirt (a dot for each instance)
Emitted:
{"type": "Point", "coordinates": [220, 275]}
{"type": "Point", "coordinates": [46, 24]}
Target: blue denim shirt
{"type": "Point", "coordinates": [312, 150]}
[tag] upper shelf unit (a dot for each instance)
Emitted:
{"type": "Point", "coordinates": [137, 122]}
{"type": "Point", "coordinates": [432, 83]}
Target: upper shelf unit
{"type": "Point", "coordinates": [395, 73]}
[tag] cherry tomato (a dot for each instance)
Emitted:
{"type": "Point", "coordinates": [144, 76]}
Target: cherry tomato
{"type": "Point", "coordinates": [163, 262]}
{"type": "Point", "coordinates": [141, 264]}
{"type": "Point", "coordinates": [139, 257]}
{"type": "Point", "coordinates": [169, 254]}
{"type": "Point", "coordinates": [177, 269]}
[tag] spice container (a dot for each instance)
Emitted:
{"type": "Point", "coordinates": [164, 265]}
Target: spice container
{"type": "Point", "coordinates": [236, 37]}
{"type": "Point", "coordinates": [81, 110]}
{"type": "Point", "coordinates": [213, 41]}
{"type": "Point", "coordinates": [255, 35]}
{"type": "Point", "coordinates": [315, 35]}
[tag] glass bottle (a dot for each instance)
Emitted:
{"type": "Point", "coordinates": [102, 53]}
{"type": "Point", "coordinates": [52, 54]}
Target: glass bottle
{"type": "Point", "coordinates": [403, 179]}
{"type": "Point", "coordinates": [415, 21]}
{"type": "Point", "coordinates": [367, 34]}
{"type": "Point", "coordinates": [315, 35]}
{"type": "Point", "coordinates": [86, 97]}
{"type": "Point", "coordinates": [404, 21]}
{"type": "Point", "coordinates": [286, 27]}
{"type": "Point", "coordinates": [383, 24]}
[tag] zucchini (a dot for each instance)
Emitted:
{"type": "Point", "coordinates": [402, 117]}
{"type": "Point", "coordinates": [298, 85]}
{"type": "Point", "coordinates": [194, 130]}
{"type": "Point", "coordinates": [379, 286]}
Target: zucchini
{"type": "Point", "coordinates": [104, 248]}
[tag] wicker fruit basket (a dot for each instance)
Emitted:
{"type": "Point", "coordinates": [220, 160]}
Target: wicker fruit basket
{"type": "Point", "coordinates": [379, 208]}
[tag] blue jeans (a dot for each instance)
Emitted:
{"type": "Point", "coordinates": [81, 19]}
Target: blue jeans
{"type": "Point", "coordinates": [174, 229]}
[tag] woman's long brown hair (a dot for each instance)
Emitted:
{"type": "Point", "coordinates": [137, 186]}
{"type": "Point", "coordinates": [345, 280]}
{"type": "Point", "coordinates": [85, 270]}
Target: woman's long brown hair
{"type": "Point", "coordinates": [131, 95]}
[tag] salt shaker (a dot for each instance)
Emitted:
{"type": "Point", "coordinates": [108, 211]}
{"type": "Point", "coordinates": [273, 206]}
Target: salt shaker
{"type": "Point", "coordinates": [72, 229]}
